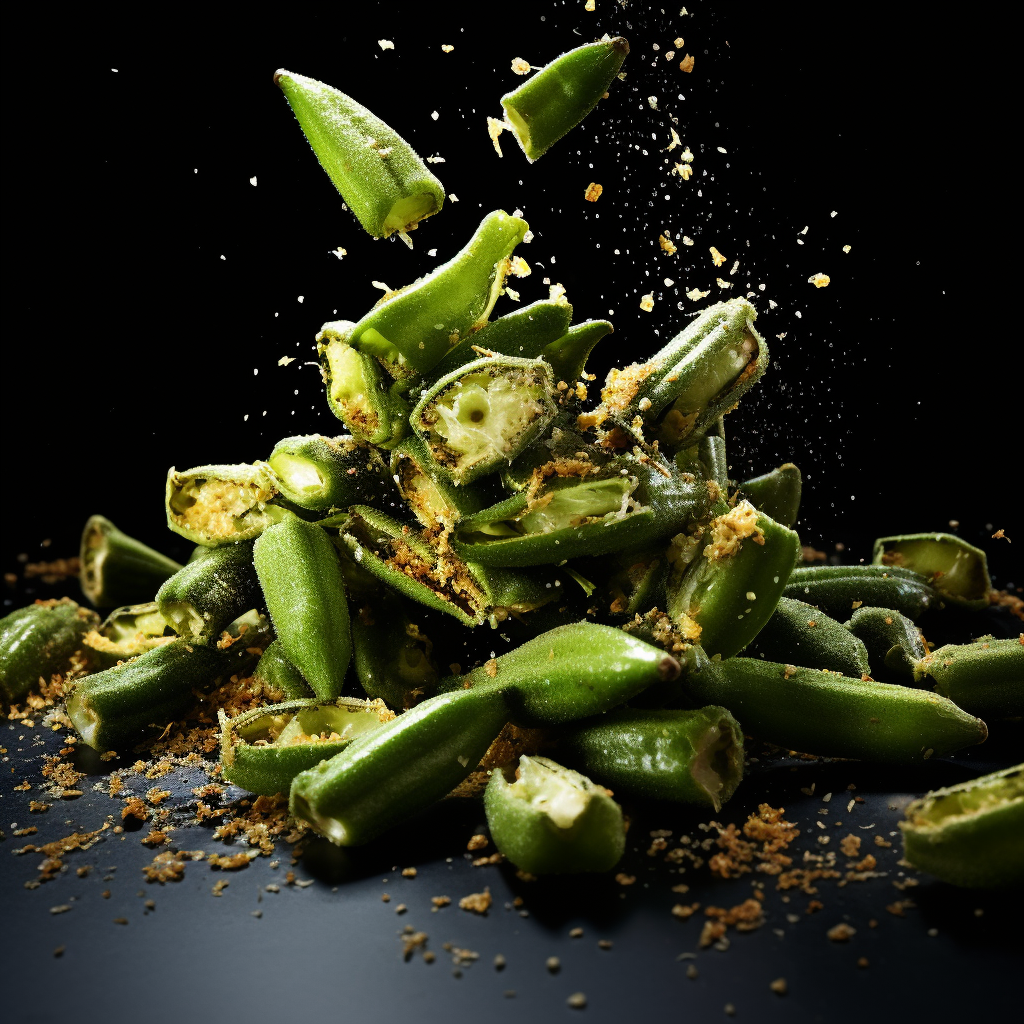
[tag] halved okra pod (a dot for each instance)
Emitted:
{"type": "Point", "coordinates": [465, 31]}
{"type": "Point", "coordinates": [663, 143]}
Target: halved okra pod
{"type": "Point", "coordinates": [201, 598]}
{"type": "Point", "coordinates": [957, 570]}
{"type": "Point", "coordinates": [554, 100]}
{"type": "Point", "coordinates": [301, 579]}
{"type": "Point", "coordinates": [551, 820]}
{"type": "Point", "coordinates": [404, 766]}
{"type": "Point", "coordinates": [840, 589]}
{"type": "Point", "coordinates": [971, 834]}
{"type": "Point", "coordinates": [276, 671]}
{"type": "Point", "coordinates": [807, 636]}
{"type": "Point", "coordinates": [777, 493]}
{"type": "Point", "coordinates": [322, 473]}
{"type": "Point", "coordinates": [690, 757]}
{"type": "Point", "coordinates": [818, 712]}
{"type": "Point", "coordinates": [894, 643]}
{"type": "Point", "coordinates": [985, 678]}
{"type": "Point", "coordinates": [127, 632]}
{"type": "Point", "coordinates": [117, 569]}
{"type": "Point", "coordinates": [385, 184]}
{"type": "Point", "coordinates": [568, 355]}
{"type": "Point", "coordinates": [38, 640]}
{"type": "Point", "coordinates": [213, 505]}
{"type": "Point", "coordinates": [264, 749]}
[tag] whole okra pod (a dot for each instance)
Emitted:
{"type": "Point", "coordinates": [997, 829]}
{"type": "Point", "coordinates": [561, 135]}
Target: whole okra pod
{"type": "Point", "coordinates": [894, 643]}
{"type": "Point", "coordinates": [277, 672]}
{"type": "Point", "coordinates": [985, 678]}
{"type": "Point", "coordinates": [839, 590]}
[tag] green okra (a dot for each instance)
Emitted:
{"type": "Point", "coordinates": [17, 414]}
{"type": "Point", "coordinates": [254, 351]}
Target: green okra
{"type": "Point", "coordinates": [484, 414]}
{"type": "Point", "coordinates": [805, 635]}
{"type": "Point", "coordinates": [894, 643]}
{"type": "Point", "coordinates": [568, 355]}
{"type": "Point", "coordinates": [840, 589]}
{"type": "Point", "coordinates": [958, 571]}
{"type": "Point", "coordinates": [393, 657]}
{"type": "Point", "coordinates": [551, 820]}
{"type": "Point", "coordinates": [277, 672]}
{"type": "Point", "coordinates": [568, 673]}
{"type": "Point", "coordinates": [302, 583]}
{"type": "Point", "coordinates": [706, 460]}
{"type": "Point", "coordinates": [412, 329]}
{"type": "Point", "coordinates": [636, 582]}
{"type": "Point", "coordinates": [214, 505]}
{"type": "Point", "coordinates": [264, 749]}
{"type": "Point", "coordinates": [690, 757]}
{"type": "Point", "coordinates": [117, 569]}
{"type": "Point", "coordinates": [971, 834]}
{"type": "Point", "coordinates": [404, 766]}
{"type": "Point", "coordinates": [121, 704]}
{"type": "Point", "coordinates": [359, 391]}
{"type": "Point", "coordinates": [385, 184]}
{"type": "Point", "coordinates": [985, 678]}
{"type": "Point", "coordinates": [39, 640]}
{"type": "Point", "coordinates": [129, 631]}
{"type": "Point", "coordinates": [777, 493]}
{"type": "Point", "coordinates": [552, 102]}
{"type": "Point", "coordinates": [201, 598]}
{"type": "Point", "coordinates": [322, 473]}
{"type": "Point", "coordinates": [725, 582]}
{"type": "Point", "coordinates": [824, 713]}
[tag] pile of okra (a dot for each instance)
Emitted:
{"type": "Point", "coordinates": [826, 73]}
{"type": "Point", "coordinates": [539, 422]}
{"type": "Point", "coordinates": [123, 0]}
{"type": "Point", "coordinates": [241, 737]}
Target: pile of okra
{"type": "Point", "coordinates": [666, 609]}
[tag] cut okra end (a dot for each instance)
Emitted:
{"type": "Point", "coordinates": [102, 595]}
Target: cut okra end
{"type": "Point", "coordinates": [957, 570]}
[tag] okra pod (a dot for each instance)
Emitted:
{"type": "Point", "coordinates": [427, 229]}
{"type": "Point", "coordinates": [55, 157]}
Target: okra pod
{"type": "Point", "coordinates": [552, 102]}
{"type": "Point", "coordinates": [707, 460]}
{"type": "Point", "coordinates": [129, 631]}
{"type": "Point", "coordinates": [551, 820]}
{"type": "Point", "coordinates": [958, 571]}
{"type": "Point", "coordinates": [840, 589]}
{"type": "Point", "coordinates": [404, 766]}
{"type": "Point", "coordinates": [985, 678]}
{"type": "Point", "coordinates": [807, 636]}
{"type": "Point", "coordinates": [385, 184]}
{"type": "Point", "coordinates": [201, 598]}
{"type": "Point", "coordinates": [894, 643]}
{"type": "Point", "coordinates": [690, 757]}
{"type": "Point", "coordinates": [819, 712]}
{"type": "Point", "coordinates": [264, 749]}
{"type": "Point", "coordinates": [971, 834]}
{"type": "Point", "coordinates": [277, 672]}
{"type": "Point", "coordinates": [777, 493]}
{"type": "Point", "coordinates": [117, 569]}
{"type": "Point", "coordinates": [38, 640]}
{"type": "Point", "coordinates": [302, 583]}
{"type": "Point", "coordinates": [322, 473]}
{"type": "Point", "coordinates": [568, 355]}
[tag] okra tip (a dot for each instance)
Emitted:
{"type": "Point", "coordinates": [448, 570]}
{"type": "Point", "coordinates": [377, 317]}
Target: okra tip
{"type": "Point", "coordinates": [620, 45]}
{"type": "Point", "coordinates": [669, 668]}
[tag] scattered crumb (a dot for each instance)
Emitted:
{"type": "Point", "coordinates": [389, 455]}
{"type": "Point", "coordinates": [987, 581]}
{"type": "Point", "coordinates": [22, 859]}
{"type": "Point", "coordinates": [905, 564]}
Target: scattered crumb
{"type": "Point", "coordinates": [779, 986]}
{"type": "Point", "coordinates": [577, 1001]}
{"type": "Point", "coordinates": [819, 280]}
{"type": "Point", "coordinates": [593, 192]}
{"type": "Point", "coordinates": [647, 302]}
{"type": "Point", "coordinates": [477, 902]}
{"type": "Point", "coordinates": [841, 932]}
{"type": "Point", "coordinates": [477, 842]}
{"type": "Point", "coordinates": [686, 64]}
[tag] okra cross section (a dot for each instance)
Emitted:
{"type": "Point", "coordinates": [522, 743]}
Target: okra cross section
{"type": "Point", "coordinates": [322, 473]}
{"type": "Point", "coordinates": [957, 570]}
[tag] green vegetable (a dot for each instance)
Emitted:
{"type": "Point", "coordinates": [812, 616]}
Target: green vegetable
{"type": "Point", "coordinates": [117, 569]}
{"type": "Point", "coordinates": [957, 570]}
{"type": "Point", "coordinates": [322, 473]}
{"type": "Point", "coordinates": [985, 678]}
{"type": "Point", "coordinates": [776, 494]}
{"type": "Point", "coordinates": [894, 643]}
{"type": "Point", "coordinates": [840, 589]}
{"type": "Point", "coordinates": [129, 631]}
{"type": "Point", "coordinates": [276, 671]}
{"type": "Point", "coordinates": [568, 355]}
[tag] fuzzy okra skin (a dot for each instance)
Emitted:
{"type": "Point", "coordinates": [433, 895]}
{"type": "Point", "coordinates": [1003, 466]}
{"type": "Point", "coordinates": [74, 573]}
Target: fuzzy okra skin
{"type": "Point", "coordinates": [824, 713]}
{"type": "Point", "coordinates": [276, 671]}
{"type": "Point", "coordinates": [777, 493]}
{"type": "Point", "coordinates": [38, 640]}
{"type": "Point", "coordinates": [957, 570]}
{"type": "Point", "coordinates": [117, 569]}
{"type": "Point", "coordinates": [893, 642]}
{"type": "Point", "coordinates": [557, 98]}
{"type": "Point", "coordinates": [972, 834]}
{"type": "Point", "coordinates": [690, 757]}
{"type": "Point", "coordinates": [550, 820]}
{"type": "Point", "coordinates": [301, 579]}
{"type": "Point", "coordinates": [568, 355]}
{"type": "Point", "coordinates": [403, 767]}
{"type": "Point", "coordinates": [379, 175]}
{"type": "Point", "coordinates": [322, 473]}
{"type": "Point", "coordinates": [840, 589]}
{"type": "Point", "coordinates": [985, 678]}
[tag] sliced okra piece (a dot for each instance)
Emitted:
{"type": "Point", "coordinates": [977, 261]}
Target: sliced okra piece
{"type": "Point", "coordinates": [393, 657]}
{"type": "Point", "coordinates": [839, 590]}
{"type": "Point", "coordinates": [571, 672]}
{"type": "Point", "coordinates": [958, 571]}
{"type": "Point", "coordinates": [972, 834]}
{"type": "Point", "coordinates": [275, 671]}
{"type": "Point", "coordinates": [809, 637]}
{"type": "Point", "coordinates": [411, 330]}
{"type": "Point", "coordinates": [214, 505]}
{"type": "Point", "coordinates": [819, 712]}
{"type": "Point", "coordinates": [121, 704]}
{"type": "Point", "coordinates": [726, 581]}
{"type": "Point", "coordinates": [201, 598]}
{"type": "Point", "coordinates": [320, 473]}
{"type": "Point", "coordinates": [637, 580]}
{"type": "Point", "coordinates": [117, 569]}
{"type": "Point", "coordinates": [777, 493]}
{"type": "Point", "coordinates": [359, 391]}
{"type": "Point", "coordinates": [568, 355]}
{"type": "Point", "coordinates": [302, 583]}
{"type": "Point", "coordinates": [552, 102]}
{"type": "Point", "coordinates": [894, 643]}
{"type": "Point", "coordinates": [484, 414]}
{"type": "Point", "coordinates": [400, 768]}
{"type": "Point", "coordinates": [690, 757]}
{"type": "Point", "coordinates": [551, 820]}
{"type": "Point", "coordinates": [985, 678]}
{"type": "Point", "coordinates": [563, 449]}
{"type": "Point", "coordinates": [128, 632]}
{"type": "Point", "coordinates": [38, 640]}
{"type": "Point", "coordinates": [385, 184]}
{"type": "Point", "coordinates": [264, 749]}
